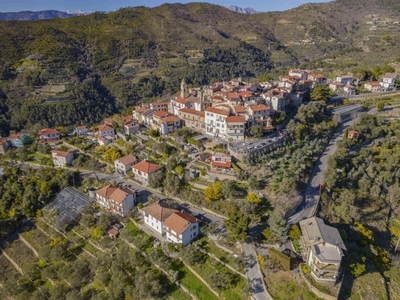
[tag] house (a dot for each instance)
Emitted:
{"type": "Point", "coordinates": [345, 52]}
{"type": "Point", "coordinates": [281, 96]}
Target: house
{"type": "Point", "coordinates": [105, 130]}
{"type": "Point", "coordinates": [220, 161]}
{"type": "Point", "coordinates": [373, 86]}
{"type": "Point", "coordinates": [140, 112]}
{"type": "Point", "coordinates": [169, 124]}
{"type": "Point", "coordinates": [247, 96]}
{"type": "Point", "coordinates": [131, 127]}
{"type": "Point", "coordinates": [215, 121]}
{"type": "Point", "coordinates": [19, 140]}
{"type": "Point", "coordinates": [181, 228]}
{"type": "Point", "coordinates": [4, 145]}
{"type": "Point", "coordinates": [108, 121]}
{"type": "Point", "coordinates": [388, 81]}
{"type": "Point", "coordinates": [301, 74]}
{"type": "Point", "coordinates": [278, 103]}
{"type": "Point", "coordinates": [317, 79]}
{"type": "Point", "coordinates": [155, 214]}
{"type": "Point", "coordinates": [145, 169]}
{"type": "Point", "coordinates": [235, 127]}
{"type": "Point", "coordinates": [62, 158]}
{"type": "Point", "coordinates": [346, 79]}
{"type": "Point", "coordinates": [159, 106]}
{"type": "Point", "coordinates": [118, 200]}
{"type": "Point", "coordinates": [124, 164]}
{"type": "Point", "coordinates": [336, 86]}
{"type": "Point", "coordinates": [49, 135]}
{"type": "Point", "coordinates": [81, 130]}
{"type": "Point", "coordinates": [240, 110]}
{"type": "Point", "coordinates": [258, 114]}
{"type": "Point", "coordinates": [193, 119]}
{"type": "Point", "coordinates": [322, 249]}
{"type": "Point", "coordinates": [353, 134]}
{"type": "Point", "coordinates": [177, 104]}
{"type": "Point", "coordinates": [349, 89]}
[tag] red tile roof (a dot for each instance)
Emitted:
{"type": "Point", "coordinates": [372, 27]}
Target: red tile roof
{"type": "Point", "coordinates": [160, 103]}
{"type": "Point", "coordinates": [170, 119]}
{"type": "Point", "coordinates": [141, 109]}
{"type": "Point", "coordinates": [3, 140]}
{"type": "Point", "coordinates": [192, 112]}
{"type": "Point", "coordinates": [227, 164]}
{"type": "Point", "coordinates": [246, 94]}
{"type": "Point", "coordinates": [114, 193]}
{"type": "Point", "coordinates": [147, 167]}
{"type": "Point", "coordinates": [48, 131]}
{"type": "Point", "coordinates": [181, 100]}
{"type": "Point", "coordinates": [373, 83]}
{"type": "Point", "coordinates": [179, 222]}
{"type": "Point", "coordinates": [337, 83]}
{"type": "Point", "coordinates": [353, 132]}
{"type": "Point", "coordinates": [316, 76]}
{"type": "Point", "coordinates": [159, 210]}
{"type": "Point", "coordinates": [16, 136]}
{"type": "Point", "coordinates": [105, 128]}
{"type": "Point", "coordinates": [217, 111]}
{"type": "Point", "coordinates": [239, 109]}
{"type": "Point", "coordinates": [161, 114]}
{"type": "Point", "coordinates": [258, 107]}
{"type": "Point", "coordinates": [127, 159]}
{"type": "Point", "coordinates": [235, 119]}
{"type": "Point", "coordinates": [61, 153]}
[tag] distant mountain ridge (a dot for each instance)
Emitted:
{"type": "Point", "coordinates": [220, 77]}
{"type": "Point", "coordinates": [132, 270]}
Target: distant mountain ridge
{"type": "Point", "coordinates": [39, 15]}
{"type": "Point", "coordinates": [247, 10]}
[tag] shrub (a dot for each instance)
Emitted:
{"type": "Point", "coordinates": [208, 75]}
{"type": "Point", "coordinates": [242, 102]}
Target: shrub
{"type": "Point", "coordinates": [194, 142]}
{"type": "Point", "coordinates": [294, 232]}
{"type": "Point", "coordinates": [267, 233]}
{"type": "Point", "coordinates": [357, 269]}
{"type": "Point", "coordinates": [261, 260]}
{"type": "Point", "coordinates": [306, 269]}
{"type": "Point", "coordinates": [281, 258]}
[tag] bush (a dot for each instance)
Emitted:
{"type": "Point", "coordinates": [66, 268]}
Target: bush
{"type": "Point", "coordinates": [194, 142]}
{"type": "Point", "coordinates": [306, 269]}
{"type": "Point", "coordinates": [281, 258]}
{"type": "Point", "coordinates": [294, 232]}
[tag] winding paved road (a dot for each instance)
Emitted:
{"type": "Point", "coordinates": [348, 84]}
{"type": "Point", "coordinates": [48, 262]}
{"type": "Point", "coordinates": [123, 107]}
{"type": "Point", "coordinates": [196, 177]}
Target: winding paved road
{"type": "Point", "coordinates": [309, 205]}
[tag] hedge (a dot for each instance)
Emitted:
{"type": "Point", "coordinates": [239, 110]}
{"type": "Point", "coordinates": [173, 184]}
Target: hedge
{"type": "Point", "coordinates": [280, 258]}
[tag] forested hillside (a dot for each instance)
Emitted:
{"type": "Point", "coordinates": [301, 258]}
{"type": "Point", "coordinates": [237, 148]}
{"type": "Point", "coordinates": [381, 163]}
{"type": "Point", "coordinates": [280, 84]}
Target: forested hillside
{"type": "Point", "coordinates": [81, 69]}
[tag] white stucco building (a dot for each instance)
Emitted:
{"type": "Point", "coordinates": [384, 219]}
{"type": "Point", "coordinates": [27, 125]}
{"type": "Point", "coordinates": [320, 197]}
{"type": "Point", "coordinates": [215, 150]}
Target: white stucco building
{"type": "Point", "coordinates": [321, 248]}
{"type": "Point", "coordinates": [62, 158]}
{"type": "Point", "coordinates": [178, 227]}
{"type": "Point", "coordinates": [118, 200]}
{"type": "Point", "coordinates": [215, 121]}
{"type": "Point", "coordinates": [144, 170]}
{"type": "Point", "coordinates": [124, 164]}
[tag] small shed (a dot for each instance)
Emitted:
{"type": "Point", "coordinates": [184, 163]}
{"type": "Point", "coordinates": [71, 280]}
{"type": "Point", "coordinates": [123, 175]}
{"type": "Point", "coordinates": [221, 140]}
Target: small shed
{"type": "Point", "coordinates": [113, 233]}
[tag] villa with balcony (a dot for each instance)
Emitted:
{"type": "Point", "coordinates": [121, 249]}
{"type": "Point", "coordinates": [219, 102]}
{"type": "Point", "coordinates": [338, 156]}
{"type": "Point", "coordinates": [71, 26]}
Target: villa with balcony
{"type": "Point", "coordinates": [322, 249]}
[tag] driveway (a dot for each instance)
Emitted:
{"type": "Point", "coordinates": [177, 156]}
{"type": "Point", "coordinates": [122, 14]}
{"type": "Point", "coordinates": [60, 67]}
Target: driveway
{"type": "Point", "coordinates": [253, 273]}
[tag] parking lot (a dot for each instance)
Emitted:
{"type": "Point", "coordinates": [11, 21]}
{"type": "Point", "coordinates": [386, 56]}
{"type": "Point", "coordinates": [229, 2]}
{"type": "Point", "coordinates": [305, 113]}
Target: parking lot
{"type": "Point", "coordinates": [241, 147]}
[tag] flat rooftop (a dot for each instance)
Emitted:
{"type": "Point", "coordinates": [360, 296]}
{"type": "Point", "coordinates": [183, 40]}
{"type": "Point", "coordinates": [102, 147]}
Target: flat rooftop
{"type": "Point", "coordinates": [328, 253]}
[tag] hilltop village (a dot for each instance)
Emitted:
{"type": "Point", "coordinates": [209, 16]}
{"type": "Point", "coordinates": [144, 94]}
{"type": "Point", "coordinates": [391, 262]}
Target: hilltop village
{"type": "Point", "coordinates": [191, 180]}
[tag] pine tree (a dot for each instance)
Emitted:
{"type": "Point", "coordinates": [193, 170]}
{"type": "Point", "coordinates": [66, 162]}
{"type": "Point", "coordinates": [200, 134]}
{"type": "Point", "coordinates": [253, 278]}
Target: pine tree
{"type": "Point", "coordinates": [278, 224]}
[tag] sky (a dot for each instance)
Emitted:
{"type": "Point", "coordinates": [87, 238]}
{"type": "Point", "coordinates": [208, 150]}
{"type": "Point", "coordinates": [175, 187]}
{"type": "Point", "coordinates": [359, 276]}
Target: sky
{"type": "Point", "coordinates": [111, 5]}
